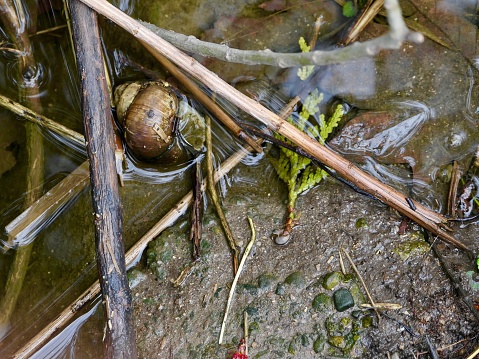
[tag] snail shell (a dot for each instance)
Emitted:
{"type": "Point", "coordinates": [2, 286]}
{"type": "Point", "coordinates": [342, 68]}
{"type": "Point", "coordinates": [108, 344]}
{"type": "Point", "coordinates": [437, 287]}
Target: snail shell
{"type": "Point", "coordinates": [146, 112]}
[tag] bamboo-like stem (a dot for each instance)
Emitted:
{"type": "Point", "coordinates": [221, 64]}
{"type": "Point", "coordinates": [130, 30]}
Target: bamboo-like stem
{"type": "Point", "coordinates": [131, 258]}
{"type": "Point", "coordinates": [423, 216]}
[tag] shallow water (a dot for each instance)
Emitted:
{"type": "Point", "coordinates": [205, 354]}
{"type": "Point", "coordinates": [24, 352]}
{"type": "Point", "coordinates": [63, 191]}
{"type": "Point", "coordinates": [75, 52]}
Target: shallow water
{"type": "Point", "coordinates": [430, 124]}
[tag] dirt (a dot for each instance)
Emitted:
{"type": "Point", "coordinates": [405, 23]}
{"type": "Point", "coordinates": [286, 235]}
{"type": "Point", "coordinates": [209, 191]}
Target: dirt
{"type": "Point", "coordinates": [278, 286]}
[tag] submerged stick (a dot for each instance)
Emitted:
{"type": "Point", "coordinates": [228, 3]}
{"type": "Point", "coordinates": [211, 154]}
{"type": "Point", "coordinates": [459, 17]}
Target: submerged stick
{"type": "Point", "coordinates": [15, 27]}
{"type": "Point", "coordinates": [131, 258]}
{"type": "Point", "coordinates": [423, 216]}
{"type": "Point", "coordinates": [120, 339]}
{"type": "Point", "coordinates": [43, 121]}
{"type": "Point", "coordinates": [23, 228]}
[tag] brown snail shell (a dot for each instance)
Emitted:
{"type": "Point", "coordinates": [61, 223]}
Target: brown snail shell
{"type": "Point", "coordinates": [146, 112]}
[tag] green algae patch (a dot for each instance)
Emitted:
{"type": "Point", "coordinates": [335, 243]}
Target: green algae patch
{"type": "Point", "coordinates": [331, 280]}
{"type": "Point", "coordinates": [410, 249]}
{"type": "Point", "coordinates": [295, 279]}
{"type": "Point", "coordinates": [361, 223]}
{"type": "Point", "coordinates": [322, 302]}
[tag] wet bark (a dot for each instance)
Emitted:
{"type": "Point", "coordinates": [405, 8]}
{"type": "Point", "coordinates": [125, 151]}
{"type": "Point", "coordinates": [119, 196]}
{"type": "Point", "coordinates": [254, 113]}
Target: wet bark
{"type": "Point", "coordinates": [119, 333]}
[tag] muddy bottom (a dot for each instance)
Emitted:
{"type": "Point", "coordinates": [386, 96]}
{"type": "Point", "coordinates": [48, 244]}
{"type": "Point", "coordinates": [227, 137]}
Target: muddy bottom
{"type": "Point", "coordinates": [288, 292]}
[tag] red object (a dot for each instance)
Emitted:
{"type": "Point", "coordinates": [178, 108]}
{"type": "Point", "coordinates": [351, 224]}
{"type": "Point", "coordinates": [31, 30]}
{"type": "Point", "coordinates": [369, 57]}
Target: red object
{"type": "Point", "coordinates": [241, 352]}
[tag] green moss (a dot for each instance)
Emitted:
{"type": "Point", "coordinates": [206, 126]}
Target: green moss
{"type": "Point", "coordinates": [366, 321]}
{"type": "Point", "coordinates": [336, 341]}
{"type": "Point", "coordinates": [253, 327]}
{"type": "Point", "coordinates": [266, 280]}
{"type": "Point", "coordinates": [361, 223]}
{"type": "Point", "coordinates": [318, 345]}
{"type": "Point", "coordinates": [408, 249]}
{"type": "Point", "coordinates": [295, 279]}
{"type": "Point", "coordinates": [322, 302]}
{"type": "Point", "coordinates": [357, 294]}
{"type": "Point", "coordinates": [331, 280]}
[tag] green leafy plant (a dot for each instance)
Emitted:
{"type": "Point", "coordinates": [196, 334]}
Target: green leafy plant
{"type": "Point", "coordinates": [349, 9]}
{"type": "Point", "coordinates": [297, 171]}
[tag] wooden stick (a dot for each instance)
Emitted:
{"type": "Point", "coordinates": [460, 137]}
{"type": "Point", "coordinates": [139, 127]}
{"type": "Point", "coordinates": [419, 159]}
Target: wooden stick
{"type": "Point", "coordinates": [120, 339]}
{"type": "Point", "coordinates": [423, 216]}
{"type": "Point", "coordinates": [131, 258]}
{"type": "Point", "coordinates": [370, 10]}
{"type": "Point", "coordinates": [43, 121]}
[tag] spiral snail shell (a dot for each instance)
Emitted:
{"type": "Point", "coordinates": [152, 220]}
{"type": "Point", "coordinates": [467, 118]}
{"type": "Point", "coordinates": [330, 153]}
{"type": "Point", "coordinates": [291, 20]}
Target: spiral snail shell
{"type": "Point", "coordinates": [146, 112]}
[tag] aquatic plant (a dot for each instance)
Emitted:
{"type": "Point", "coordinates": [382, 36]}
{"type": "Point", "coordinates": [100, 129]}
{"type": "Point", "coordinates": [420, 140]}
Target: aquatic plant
{"type": "Point", "coordinates": [298, 172]}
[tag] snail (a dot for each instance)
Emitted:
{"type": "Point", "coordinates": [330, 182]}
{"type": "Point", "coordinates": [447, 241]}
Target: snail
{"type": "Point", "coordinates": [146, 113]}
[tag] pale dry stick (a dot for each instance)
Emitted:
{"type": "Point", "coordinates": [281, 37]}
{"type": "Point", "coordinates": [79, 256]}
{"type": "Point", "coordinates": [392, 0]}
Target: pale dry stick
{"type": "Point", "coordinates": [204, 99]}
{"type": "Point", "coordinates": [341, 262]}
{"type": "Point", "coordinates": [362, 282]}
{"type": "Point", "coordinates": [131, 258]}
{"type": "Point", "coordinates": [235, 280]}
{"type": "Point", "coordinates": [246, 334]}
{"type": "Point", "coordinates": [423, 216]}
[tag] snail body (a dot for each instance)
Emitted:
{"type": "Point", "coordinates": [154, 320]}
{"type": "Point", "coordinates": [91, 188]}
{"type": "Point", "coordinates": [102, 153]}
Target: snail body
{"type": "Point", "coordinates": [146, 112]}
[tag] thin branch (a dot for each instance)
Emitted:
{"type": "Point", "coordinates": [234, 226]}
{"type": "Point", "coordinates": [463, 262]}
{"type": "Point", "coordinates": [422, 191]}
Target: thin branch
{"type": "Point", "coordinates": [43, 121]}
{"type": "Point", "coordinates": [392, 40]}
{"type": "Point", "coordinates": [362, 282]}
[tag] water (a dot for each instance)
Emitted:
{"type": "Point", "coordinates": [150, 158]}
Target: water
{"type": "Point", "coordinates": [433, 125]}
